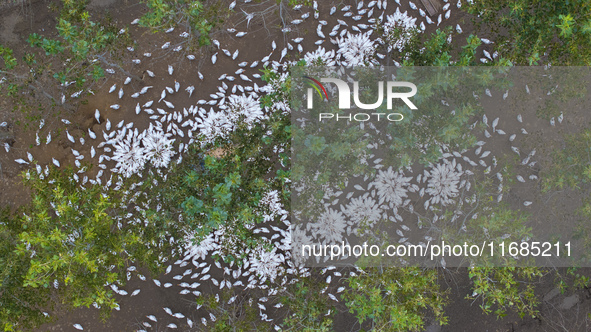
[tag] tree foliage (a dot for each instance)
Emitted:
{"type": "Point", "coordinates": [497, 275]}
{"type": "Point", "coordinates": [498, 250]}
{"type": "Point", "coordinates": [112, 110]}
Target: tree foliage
{"type": "Point", "coordinates": [70, 243]}
{"type": "Point", "coordinates": [540, 31]}
{"type": "Point", "coordinates": [81, 41]}
{"type": "Point", "coordinates": [195, 15]}
{"type": "Point", "coordinates": [220, 184]}
{"type": "Point", "coordinates": [308, 307]}
{"type": "Point", "coordinates": [396, 299]}
{"type": "Point", "coordinates": [20, 307]}
{"type": "Point", "coordinates": [506, 288]}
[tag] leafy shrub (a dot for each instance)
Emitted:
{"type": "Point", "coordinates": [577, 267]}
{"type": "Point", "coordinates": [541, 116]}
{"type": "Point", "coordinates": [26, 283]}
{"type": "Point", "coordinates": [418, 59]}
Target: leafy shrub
{"type": "Point", "coordinates": [396, 299]}
{"type": "Point", "coordinates": [193, 15]}
{"type": "Point", "coordinates": [539, 31]}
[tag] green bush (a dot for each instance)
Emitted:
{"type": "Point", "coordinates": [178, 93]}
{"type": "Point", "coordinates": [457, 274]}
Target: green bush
{"type": "Point", "coordinates": [396, 299]}
{"type": "Point", "coordinates": [539, 31]}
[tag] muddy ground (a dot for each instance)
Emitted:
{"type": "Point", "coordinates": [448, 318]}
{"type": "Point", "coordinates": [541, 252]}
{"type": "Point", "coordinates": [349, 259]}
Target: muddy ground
{"type": "Point", "coordinates": [560, 312]}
